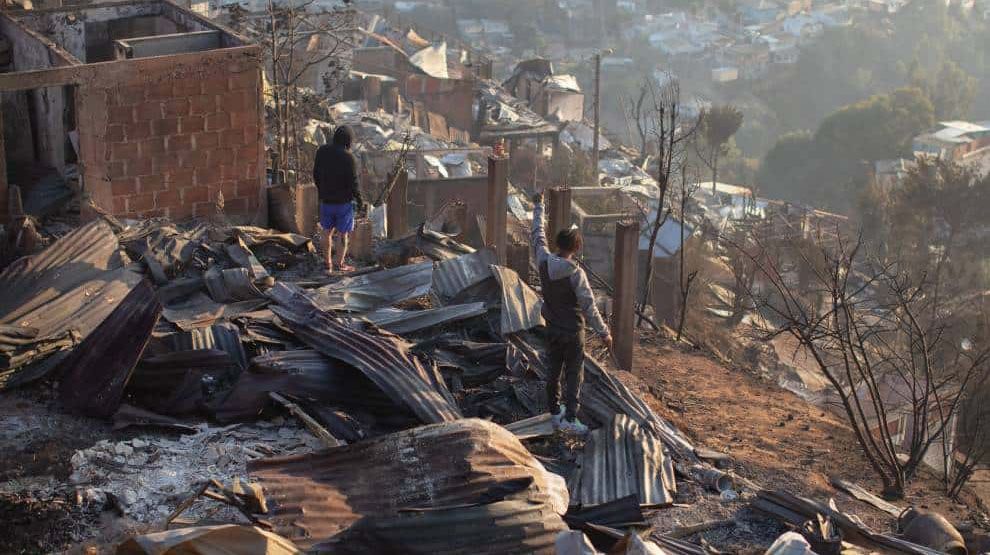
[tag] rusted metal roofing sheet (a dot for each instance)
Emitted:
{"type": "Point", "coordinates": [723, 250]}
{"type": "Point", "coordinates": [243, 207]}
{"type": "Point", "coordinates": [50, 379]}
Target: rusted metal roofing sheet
{"type": "Point", "coordinates": [618, 460]}
{"type": "Point", "coordinates": [51, 301]}
{"type": "Point", "coordinates": [411, 321]}
{"type": "Point", "coordinates": [377, 289]}
{"type": "Point", "coordinates": [457, 274]}
{"type": "Point", "coordinates": [520, 304]}
{"type": "Point", "coordinates": [223, 336]}
{"type": "Point", "coordinates": [383, 357]}
{"type": "Point", "coordinates": [308, 374]}
{"type": "Point", "coordinates": [467, 486]}
{"type": "Point", "coordinates": [96, 372]}
{"type": "Point", "coordinates": [603, 396]}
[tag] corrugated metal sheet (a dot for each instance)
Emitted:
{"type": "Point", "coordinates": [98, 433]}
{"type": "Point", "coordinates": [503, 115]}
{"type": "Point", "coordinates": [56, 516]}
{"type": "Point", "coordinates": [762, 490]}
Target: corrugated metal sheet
{"type": "Point", "coordinates": [232, 284]}
{"type": "Point", "coordinates": [370, 291]}
{"type": "Point", "coordinates": [476, 489]}
{"type": "Point", "coordinates": [619, 460]}
{"type": "Point", "coordinates": [223, 336]}
{"type": "Point", "coordinates": [520, 304]}
{"type": "Point", "coordinates": [620, 512]}
{"type": "Point", "coordinates": [96, 371]}
{"type": "Point", "coordinates": [411, 321]}
{"type": "Point", "coordinates": [603, 396]}
{"type": "Point", "coordinates": [384, 358]}
{"type": "Point", "coordinates": [54, 299]}
{"type": "Point", "coordinates": [457, 274]}
{"type": "Point", "coordinates": [308, 374]}
{"type": "Point", "coordinates": [540, 425]}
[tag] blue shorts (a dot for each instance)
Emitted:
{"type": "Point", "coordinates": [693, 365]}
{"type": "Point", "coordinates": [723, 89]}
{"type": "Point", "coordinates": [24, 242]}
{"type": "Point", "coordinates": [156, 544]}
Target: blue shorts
{"type": "Point", "coordinates": [339, 217]}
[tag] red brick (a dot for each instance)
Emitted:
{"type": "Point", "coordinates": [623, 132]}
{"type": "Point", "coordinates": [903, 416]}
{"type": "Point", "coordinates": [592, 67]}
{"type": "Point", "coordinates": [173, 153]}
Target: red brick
{"type": "Point", "coordinates": [237, 101]}
{"type": "Point", "coordinates": [179, 178]}
{"type": "Point", "coordinates": [251, 171]}
{"type": "Point", "coordinates": [248, 187]}
{"type": "Point", "coordinates": [236, 206]}
{"type": "Point", "coordinates": [216, 84]}
{"type": "Point", "coordinates": [180, 212]}
{"type": "Point", "coordinates": [123, 187]}
{"type": "Point", "coordinates": [247, 154]}
{"type": "Point", "coordinates": [136, 167]}
{"type": "Point", "coordinates": [217, 121]}
{"type": "Point", "coordinates": [155, 213]}
{"type": "Point", "coordinates": [251, 133]}
{"type": "Point", "coordinates": [188, 86]}
{"type": "Point", "coordinates": [151, 183]}
{"type": "Point", "coordinates": [168, 198]}
{"type": "Point", "coordinates": [233, 138]}
{"type": "Point", "coordinates": [204, 209]}
{"type": "Point", "coordinates": [220, 156]}
{"type": "Point", "coordinates": [115, 133]}
{"type": "Point", "coordinates": [176, 107]}
{"type": "Point", "coordinates": [143, 201]}
{"type": "Point", "coordinates": [230, 172]}
{"type": "Point", "coordinates": [149, 111]}
{"type": "Point", "coordinates": [207, 175]}
{"type": "Point", "coordinates": [207, 141]}
{"type": "Point", "coordinates": [203, 104]}
{"type": "Point", "coordinates": [243, 119]}
{"type": "Point", "coordinates": [191, 124]}
{"type": "Point", "coordinates": [120, 205]}
{"type": "Point", "coordinates": [165, 127]}
{"type": "Point", "coordinates": [159, 91]}
{"type": "Point", "coordinates": [178, 143]}
{"type": "Point", "coordinates": [152, 146]}
{"type": "Point", "coordinates": [115, 169]}
{"type": "Point", "coordinates": [138, 130]}
{"type": "Point", "coordinates": [123, 151]}
{"type": "Point", "coordinates": [132, 94]}
{"type": "Point", "coordinates": [120, 114]}
{"type": "Point", "coordinates": [193, 195]}
{"type": "Point", "coordinates": [244, 80]}
{"type": "Point", "coordinates": [229, 189]}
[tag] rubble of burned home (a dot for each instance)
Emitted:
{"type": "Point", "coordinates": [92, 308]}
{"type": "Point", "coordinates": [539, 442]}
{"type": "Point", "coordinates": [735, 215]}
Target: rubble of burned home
{"type": "Point", "coordinates": [161, 285]}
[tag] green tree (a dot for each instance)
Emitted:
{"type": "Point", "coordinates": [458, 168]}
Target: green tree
{"type": "Point", "coordinates": [877, 128]}
{"type": "Point", "coordinates": [786, 169]}
{"type": "Point", "coordinates": [716, 125]}
{"type": "Point", "coordinates": [953, 92]}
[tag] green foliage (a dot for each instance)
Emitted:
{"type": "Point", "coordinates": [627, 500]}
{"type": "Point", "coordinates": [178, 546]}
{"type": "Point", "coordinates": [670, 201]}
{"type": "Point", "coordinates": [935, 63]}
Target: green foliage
{"type": "Point", "coordinates": [823, 168]}
{"type": "Point", "coordinates": [718, 124]}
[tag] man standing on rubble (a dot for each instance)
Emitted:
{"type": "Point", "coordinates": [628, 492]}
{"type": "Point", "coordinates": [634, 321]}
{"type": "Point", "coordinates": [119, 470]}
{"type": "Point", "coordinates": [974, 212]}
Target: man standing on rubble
{"type": "Point", "coordinates": [568, 302]}
{"type": "Point", "coordinates": [336, 177]}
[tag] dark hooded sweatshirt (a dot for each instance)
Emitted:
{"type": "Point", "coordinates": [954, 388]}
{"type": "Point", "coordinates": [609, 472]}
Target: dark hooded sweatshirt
{"type": "Point", "coordinates": [336, 176]}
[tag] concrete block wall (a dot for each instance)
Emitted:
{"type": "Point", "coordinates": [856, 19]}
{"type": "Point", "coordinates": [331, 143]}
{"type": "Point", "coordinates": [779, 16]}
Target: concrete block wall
{"type": "Point", "coordinates": [167, 138]}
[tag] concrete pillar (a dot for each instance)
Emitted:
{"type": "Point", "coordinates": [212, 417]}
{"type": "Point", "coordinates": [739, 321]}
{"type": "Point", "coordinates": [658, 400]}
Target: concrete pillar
{"type": "Point", "coordinates": [517, 258]}
{"type": "Point", "coordinates": [373, 93]}
{"type": "Point", "coordinates": [390, 100]}
{"type": "Point", "coordinates": [395, 207]}
{"type": "Point", "coordinates": [496, 217]}
{"type": "Point", "coordinates": [624, 298]}
{"type": "Point", "coordinates": [558, 213]}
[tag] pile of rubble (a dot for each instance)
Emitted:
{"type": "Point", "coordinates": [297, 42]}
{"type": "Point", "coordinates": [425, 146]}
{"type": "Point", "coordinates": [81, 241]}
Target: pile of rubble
{"type": "Point", "coordinates": [389, 410]}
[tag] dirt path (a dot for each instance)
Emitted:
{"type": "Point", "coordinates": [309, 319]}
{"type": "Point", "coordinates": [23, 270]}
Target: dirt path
{"type": "Point", "coordinates": [776, 439]}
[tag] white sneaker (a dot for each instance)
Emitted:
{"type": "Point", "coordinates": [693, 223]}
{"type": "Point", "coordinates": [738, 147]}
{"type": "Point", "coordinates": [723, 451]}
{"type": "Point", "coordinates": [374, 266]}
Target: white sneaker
{"type": "Point", "coordinates": [573, 427]}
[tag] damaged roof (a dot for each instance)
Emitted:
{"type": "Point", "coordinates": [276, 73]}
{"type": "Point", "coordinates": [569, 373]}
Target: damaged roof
{"type": "Point", "coordinates": [53, 300]}
{"type": "Point", "coordinates": [392, 491]}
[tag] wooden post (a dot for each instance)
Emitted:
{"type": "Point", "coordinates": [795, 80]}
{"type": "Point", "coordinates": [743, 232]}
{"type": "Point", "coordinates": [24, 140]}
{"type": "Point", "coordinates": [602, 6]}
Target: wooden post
{"type": "Point", "coordinates": [395, 208]}
{"type": "Point", "coordinates": [559, 213]}
{"type": "Point", "coordinates": [624, 298]}
{"type": "Point", "coordinates": [496, 219]}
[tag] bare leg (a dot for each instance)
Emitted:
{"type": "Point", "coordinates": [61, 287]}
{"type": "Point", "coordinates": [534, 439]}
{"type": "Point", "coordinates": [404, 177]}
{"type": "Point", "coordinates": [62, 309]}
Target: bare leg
{"type": "Point", "coordinates": [328, 248]}
{"type": "Point", "coordinates": [343, 251]}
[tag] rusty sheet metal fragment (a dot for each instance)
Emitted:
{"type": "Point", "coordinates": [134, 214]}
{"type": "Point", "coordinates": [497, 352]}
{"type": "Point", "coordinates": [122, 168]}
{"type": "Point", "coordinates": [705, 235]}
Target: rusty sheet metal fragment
{"type": "Point", "coordinates": [307, 374]}
{"type": "Point", "coordinates": [618, 460]}
{"type": "Point", "coordinates": [453, 277]}
{"type": "Point", "coordinates": [412, 321]}
{"type": "Point", "coordinates": [95, 372]}
{"type": "Point", "coordinates": [209, 540]}
{"type": "Point", "coordinates": [466, 486]}
{"type": "Point", "coordinates": [51, 301]}
{"type": "Point", "coordinates": [377, 289]}
{"type": "Point", "coordinates": [384, 358]}
{"type": "Point", "coordinates": [520, 304]}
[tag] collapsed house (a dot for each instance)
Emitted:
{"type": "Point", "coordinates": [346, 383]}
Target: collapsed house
{"type": "Point", "coordinates": [145, 108]}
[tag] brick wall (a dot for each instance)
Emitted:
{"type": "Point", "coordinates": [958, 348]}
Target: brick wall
{"type": "Point", "coordinates": [169, 135]}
